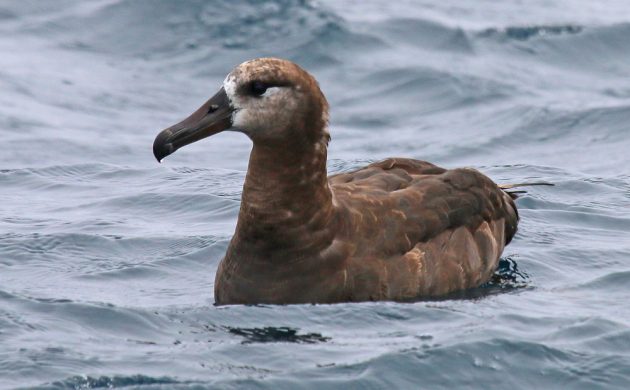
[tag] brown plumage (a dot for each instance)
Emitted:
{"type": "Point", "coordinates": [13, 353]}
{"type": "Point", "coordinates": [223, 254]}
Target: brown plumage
{"type": "Point", "coordinates": [398, 229]}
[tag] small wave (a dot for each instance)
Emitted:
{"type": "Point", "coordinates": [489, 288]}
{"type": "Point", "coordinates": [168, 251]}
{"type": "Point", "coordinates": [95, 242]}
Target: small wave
{"type": "Point", "coordinates": [108, 382]}
{"type": "Point", "coordinates": [59, 170]}
{"type": "Point", "coordinates": [5, 14]}
{"type": "Point", "coordinates": [331, 44]}
{"type": "Point", "coordinates": [148, 30]}
{"type": "Point", "coordinates": [525, 33]}
{"type": "Point", "coordinates": [425, 34]}
{"type": "Point", "coordinates": [614, 281]}
{"type": "Point", "coordinates": [598, 50]}
{"type": "Point", "coordinates": [481, 360]}
{"type": "Point", "coordinates": [425, 90]}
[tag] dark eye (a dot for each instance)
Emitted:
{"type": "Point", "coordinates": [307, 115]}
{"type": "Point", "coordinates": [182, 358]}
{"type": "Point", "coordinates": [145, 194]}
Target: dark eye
{"type": "Point", "coordinates": [258, 88]}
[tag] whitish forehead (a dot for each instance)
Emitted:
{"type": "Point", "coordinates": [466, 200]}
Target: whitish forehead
{"type": "Point", "coordinates": [240, 74]}
{"type": "Point", "coordinates": [250, 70]}
{"type": "Point", "coordinates": [229, 84]}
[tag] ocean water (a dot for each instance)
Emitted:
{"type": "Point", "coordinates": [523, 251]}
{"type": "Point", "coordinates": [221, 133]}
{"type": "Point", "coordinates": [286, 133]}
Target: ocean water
{"type": "Point", "coordinates": [107, 258]}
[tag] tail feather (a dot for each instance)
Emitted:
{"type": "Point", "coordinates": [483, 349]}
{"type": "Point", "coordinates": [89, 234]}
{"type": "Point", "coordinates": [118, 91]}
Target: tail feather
{"type": "Point", "coordinates": [538, 183]}
{"type": "Point", "coordinates": [515, 194]}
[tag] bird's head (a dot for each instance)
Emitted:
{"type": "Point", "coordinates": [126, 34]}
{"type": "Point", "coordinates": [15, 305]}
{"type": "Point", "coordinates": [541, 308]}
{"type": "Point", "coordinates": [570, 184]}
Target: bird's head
{"type": "Point", "coordinates": [273, 101]}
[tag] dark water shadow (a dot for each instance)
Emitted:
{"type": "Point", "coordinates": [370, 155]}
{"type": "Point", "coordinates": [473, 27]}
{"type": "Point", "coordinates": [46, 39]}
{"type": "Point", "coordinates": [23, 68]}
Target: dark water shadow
{"type": "Point", "coordinates": [523, 33]}
{"type": "Point", "coordinates": [272, 334]}
{"type": "Point", "coordinates": [109, 382]}
{"type": "Point", "coordinates": [507, 278]}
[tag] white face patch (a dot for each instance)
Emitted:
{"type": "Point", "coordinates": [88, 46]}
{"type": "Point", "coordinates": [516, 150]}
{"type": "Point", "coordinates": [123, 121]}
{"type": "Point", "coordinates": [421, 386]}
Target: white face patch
{"type": "Point", "coordinates": [270, 91]}
{"type": "Point", "coordinates": [241, 117]}
{"type": "Point", "coordinates": [261, 113]}
{"type": "Point", "coordinates": [229, 85]}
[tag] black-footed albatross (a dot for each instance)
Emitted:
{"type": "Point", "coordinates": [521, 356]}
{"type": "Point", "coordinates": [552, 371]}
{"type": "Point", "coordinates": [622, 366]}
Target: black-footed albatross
{"type": "Point", "coordinates": [398, 229]}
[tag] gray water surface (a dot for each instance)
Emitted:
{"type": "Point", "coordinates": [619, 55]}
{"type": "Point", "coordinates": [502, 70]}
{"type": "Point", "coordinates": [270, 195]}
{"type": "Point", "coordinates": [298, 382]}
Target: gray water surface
{"type": "Point", "coordinates": [107, 259]}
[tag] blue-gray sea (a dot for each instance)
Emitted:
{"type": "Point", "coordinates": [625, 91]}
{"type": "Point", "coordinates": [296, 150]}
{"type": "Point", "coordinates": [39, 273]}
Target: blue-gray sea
{"type": "Point", "coordinates": [107, 258]}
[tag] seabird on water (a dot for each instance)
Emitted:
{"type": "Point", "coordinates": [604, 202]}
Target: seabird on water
{"type": "Point", "coordinates": [399, 229]}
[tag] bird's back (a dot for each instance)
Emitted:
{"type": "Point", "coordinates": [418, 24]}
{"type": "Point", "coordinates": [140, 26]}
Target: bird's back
{"type": "Point", "coordinates": [419, 230]}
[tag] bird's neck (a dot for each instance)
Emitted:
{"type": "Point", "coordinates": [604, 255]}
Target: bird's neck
{"type": "Point", "coordinates": [287, 202]}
